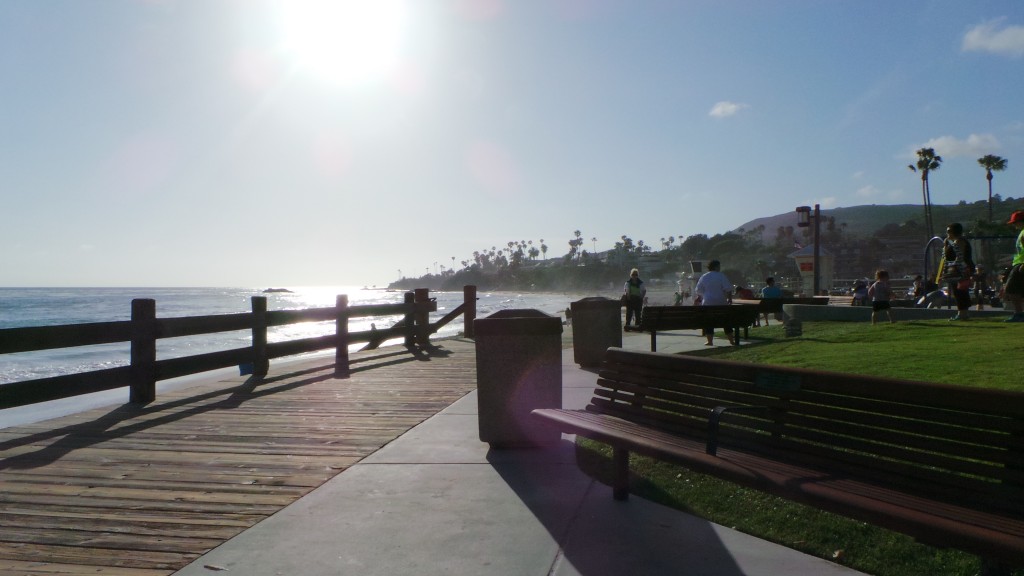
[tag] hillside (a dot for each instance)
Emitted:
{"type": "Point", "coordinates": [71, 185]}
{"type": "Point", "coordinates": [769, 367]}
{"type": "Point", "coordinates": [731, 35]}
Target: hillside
{"type": "Point", "coordinates": [865, 220]}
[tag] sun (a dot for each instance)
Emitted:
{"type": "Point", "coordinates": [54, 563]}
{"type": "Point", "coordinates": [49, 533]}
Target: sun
{"type": "Point", "coordinates": [345, 42]}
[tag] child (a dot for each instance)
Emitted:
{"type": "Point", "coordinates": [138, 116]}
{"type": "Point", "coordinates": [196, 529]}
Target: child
{"type": "Point", "coordinates": [879, 292]}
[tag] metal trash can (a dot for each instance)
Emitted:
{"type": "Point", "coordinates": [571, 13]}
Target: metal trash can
{"type": "Point", "coordinates": [518, 369]}
{"type": "Point", "coordinates": [793, 328]}
{"type": "Point", "coordinates": [596, 327]}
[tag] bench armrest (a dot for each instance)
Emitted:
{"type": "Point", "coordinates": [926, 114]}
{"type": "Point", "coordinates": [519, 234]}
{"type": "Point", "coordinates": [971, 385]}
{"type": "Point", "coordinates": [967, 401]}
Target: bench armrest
{"type": "Point", "coordinates": [716, 418]}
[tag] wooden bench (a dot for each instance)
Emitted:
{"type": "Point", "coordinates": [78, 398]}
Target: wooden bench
{"type": "Point", "coordinates": [943, 464]}
{"type": "Point", "coordinates": [656, 319]}
{"type": "Point", "coordinates": [840, 300]}
{"type": "Point", "coordinates": [766, 306]}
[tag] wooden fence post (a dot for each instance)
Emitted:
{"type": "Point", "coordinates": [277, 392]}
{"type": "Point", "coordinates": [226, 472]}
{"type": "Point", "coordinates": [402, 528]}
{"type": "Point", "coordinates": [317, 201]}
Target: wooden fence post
{"type": "Point", "coordinates": [410, 323]}
{"type": "Point", "coordinates": [260, 362]}
{"type": "Point", "coordinates": [142, 389]}
{"type": "Point", "coordinates": [469, 310]}
{"type": "Point", "coordinates": [422, 296]}
{"type": "Point", "coordinates": [341, 367]}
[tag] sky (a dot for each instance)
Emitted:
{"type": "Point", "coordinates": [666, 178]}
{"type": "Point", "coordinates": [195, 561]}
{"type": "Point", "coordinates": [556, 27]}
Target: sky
{"type": "Point", "coordinates": [300, 143]}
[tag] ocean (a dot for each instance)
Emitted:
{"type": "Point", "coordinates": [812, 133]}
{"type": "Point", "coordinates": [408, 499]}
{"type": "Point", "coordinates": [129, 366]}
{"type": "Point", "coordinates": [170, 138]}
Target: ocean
{"type": "Point", "coordinates": [54, 306]}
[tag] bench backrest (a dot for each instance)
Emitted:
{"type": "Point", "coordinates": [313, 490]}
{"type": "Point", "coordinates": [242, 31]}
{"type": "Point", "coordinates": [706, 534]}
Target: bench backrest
{"type": "Point", "coordinates": [689, 317]}
{"type": "Point", "coordinates": [807, 300]}
{"type": "Point", "coordinates": [774, 305]}
{"type": "Point", "coordinates": [952, 443]}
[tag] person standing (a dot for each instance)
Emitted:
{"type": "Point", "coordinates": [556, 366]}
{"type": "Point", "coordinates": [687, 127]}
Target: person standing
{"type": "Point", "coordinates": [1013, 287]}
{"type": "Point", "coordinates": [635, 293]}
{"type": "Point", "coordinates": [980, 286]}
{"type": "Point", "coordinates": [880, 293]}
{"type": "Point", "coordinates": [958, 268]}
{"type": "Point", "coordinates": [714, 289]}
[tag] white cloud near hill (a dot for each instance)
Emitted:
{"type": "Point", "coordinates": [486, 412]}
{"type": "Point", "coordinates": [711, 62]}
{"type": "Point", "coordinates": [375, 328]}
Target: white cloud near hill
{"type": "Point", "coordinates": [724, 109]}
{"type": "Point", "coordinates": [867, 192]}
{"type": "Point", "coordinates": [974, 146]}
{"type": "Point", "coordinates": [994, 37]}
{"type": "Point", "coordinates": [874, 194]}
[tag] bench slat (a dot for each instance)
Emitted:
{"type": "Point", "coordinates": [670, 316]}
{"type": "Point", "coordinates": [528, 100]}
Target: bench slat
{"type": "Point", "coordinates": [942, 463]}
{"type": "Point", "coordinates": [982, 532]}
{"type": "Point", "coordinates": [957, 398]}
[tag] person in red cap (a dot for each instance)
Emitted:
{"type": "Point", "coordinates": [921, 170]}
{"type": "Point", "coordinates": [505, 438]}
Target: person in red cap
{"type": "Point", "coordinates": [1014, 287]}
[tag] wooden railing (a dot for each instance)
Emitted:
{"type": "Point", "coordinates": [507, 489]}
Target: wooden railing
{"type": "Point", "coordinates": [144, 329]}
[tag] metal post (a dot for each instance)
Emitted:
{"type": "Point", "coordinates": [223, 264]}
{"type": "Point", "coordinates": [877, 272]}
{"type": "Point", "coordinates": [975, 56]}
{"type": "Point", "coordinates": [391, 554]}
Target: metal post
{"type": "Point", "coordinates": [817, 250]}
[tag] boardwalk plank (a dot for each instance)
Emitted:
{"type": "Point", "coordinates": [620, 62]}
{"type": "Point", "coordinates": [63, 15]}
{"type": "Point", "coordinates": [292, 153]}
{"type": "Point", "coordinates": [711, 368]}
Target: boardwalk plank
{"type": "Point", "coordinates": [21, 568]}
{"type": "Point", "coordinates": [130, 491]}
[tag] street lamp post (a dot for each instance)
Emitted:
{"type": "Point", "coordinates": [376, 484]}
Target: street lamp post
{"type": "Point", "coordinates": [803, 215]}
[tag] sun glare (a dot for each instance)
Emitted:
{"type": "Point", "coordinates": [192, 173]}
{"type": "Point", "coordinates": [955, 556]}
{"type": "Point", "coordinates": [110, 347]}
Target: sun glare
{"type": "Point", "coordinates": [346, 42]}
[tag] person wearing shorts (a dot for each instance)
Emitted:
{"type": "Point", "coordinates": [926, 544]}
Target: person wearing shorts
{"type": "Point", "coordinates": [1013, 289]}
{"type": "Point", "coordinates": [880, 292]}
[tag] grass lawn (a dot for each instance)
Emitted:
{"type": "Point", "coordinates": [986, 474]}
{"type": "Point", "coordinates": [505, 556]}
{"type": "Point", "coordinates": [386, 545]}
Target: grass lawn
{"type": "Point", "coordinates": [983, 353]}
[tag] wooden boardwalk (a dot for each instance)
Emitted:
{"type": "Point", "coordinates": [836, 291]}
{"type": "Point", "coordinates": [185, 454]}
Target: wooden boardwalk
{"type": "Point", "coordinates": [128, 491]}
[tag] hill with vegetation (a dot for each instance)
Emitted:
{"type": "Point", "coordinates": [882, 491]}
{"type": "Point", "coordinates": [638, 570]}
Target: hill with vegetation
{"type": "Point", "coordinates": [865, 221]}
{"type": "Point", "coordinates": [862, 238]}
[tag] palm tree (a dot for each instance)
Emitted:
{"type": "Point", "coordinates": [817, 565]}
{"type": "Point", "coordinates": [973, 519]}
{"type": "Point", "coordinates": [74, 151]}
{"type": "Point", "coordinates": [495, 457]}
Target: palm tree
{"type": "Point", "coordinates": [927, 161]}
{"type": "Point", "coordinates": [991, 162]}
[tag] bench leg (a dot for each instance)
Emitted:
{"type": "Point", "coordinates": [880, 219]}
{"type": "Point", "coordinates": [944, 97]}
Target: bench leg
{"type": "Point", "coordinates": [620, 480]}
{"type": "Point", "coordinates": [654, 341]}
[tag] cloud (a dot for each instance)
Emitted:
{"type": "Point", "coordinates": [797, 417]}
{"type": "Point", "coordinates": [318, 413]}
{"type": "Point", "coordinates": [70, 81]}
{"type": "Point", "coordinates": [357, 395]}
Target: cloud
{"type": "Point", "coordinates": [975, 146]}
{"type": "Point", "coordinates": [867, 192]}
{"type": "Point", "coordinates": [724, 109]}
{"type": "Point", "coordinates": [827, 202]}
{"type": "Point", "coordinates": [993, 37]}
{"type": "Point", "coordinates": [873, 194]}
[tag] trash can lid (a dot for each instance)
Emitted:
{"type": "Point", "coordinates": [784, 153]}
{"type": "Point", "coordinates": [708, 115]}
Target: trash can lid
{"type": "Point", "coordinates": [594, 302]}
{"type": "Point", "coordinates": [518, 321]}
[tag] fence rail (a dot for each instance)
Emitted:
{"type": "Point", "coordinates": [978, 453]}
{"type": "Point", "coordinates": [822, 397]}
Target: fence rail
{"type": "Point", "coordinates": [144, 329]}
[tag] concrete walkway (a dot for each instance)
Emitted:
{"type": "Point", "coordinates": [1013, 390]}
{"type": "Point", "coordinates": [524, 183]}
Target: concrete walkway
{"type": "Point", "coordinates": [438, 501]}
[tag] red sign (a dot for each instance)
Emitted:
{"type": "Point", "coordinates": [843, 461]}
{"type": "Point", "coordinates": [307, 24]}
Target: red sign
{"type": "Point", "coordinates": [807, 266]}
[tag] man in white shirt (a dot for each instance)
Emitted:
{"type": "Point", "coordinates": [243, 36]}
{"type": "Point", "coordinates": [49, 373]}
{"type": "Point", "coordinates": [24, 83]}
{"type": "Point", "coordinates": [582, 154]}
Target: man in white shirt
{"type": "Point", "coordinates": [714, 289]}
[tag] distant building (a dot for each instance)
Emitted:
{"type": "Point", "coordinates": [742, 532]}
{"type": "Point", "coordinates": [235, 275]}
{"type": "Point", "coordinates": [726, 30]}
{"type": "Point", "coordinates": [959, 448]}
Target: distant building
{"type": "Point", "coordinates": [804, 259]}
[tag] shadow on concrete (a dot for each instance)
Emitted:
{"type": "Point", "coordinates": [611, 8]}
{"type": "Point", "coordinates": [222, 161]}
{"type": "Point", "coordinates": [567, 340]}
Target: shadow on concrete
{"type": "Point", "coordinates": [600, 536]}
